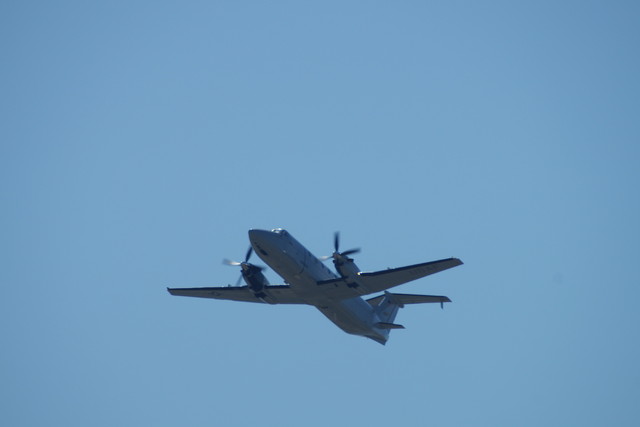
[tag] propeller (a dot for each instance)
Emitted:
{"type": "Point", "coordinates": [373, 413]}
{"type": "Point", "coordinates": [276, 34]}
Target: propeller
{"type": "Point", "coordinates": [336, 246]}
{"type": "Point", "coordinates": [246, 258]}
{"type": "Point", "coordinates": [247, 267]}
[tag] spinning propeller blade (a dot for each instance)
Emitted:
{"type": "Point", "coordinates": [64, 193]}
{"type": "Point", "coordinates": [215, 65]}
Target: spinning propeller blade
{"type": "Point", "coordinates": [336, 247]}
{"type": "Point", "coordinates": [246, 266]}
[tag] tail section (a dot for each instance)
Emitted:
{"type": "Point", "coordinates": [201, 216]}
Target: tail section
{"type": "Point", "coordinates": [386, 308]}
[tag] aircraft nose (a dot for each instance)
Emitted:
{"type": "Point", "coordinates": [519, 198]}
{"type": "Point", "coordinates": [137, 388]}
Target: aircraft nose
{"type": "Point", "coordinates": [263, 241]}
{"type": "Point", "coordinates": [256, 235]}
{"type": "Point", "coordinates": [263, 238]}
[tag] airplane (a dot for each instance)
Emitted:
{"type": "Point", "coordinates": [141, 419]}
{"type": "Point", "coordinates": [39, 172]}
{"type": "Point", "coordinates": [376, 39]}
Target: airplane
{"type": "Point", "coordinates": [309, 281]}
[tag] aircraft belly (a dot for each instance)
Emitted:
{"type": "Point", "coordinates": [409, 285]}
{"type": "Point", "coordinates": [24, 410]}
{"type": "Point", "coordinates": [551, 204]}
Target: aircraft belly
{"type": "Point", "coordinates": [350, 315]}
{"type": "Point", "coordinates": [305, 282]}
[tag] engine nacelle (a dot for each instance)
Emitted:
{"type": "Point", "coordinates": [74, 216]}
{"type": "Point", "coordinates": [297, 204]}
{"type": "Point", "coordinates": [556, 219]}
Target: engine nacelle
{"type": "Point", "coordinates": [255, 280]}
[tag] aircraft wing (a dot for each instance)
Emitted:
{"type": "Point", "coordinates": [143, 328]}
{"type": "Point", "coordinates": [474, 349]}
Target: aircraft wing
{"type": "Point", "coordinates": [275, 294]}
{"type": "Point", "coordinates": [380, 280]}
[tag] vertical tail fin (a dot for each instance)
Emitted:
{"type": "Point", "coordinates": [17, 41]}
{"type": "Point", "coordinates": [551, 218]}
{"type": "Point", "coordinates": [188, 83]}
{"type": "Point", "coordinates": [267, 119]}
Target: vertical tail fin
{"type": "Point", "coordinates": [386, 310]}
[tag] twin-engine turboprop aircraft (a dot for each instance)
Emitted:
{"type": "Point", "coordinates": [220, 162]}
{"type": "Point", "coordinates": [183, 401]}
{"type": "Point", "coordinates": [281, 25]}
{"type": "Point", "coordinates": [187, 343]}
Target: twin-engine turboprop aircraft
{"type": "Point", "coordinates": [309, 281]}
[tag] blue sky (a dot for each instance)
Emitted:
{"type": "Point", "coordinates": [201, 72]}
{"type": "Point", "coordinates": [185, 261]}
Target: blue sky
{"type": "Point", "coordinates": [141, 140]}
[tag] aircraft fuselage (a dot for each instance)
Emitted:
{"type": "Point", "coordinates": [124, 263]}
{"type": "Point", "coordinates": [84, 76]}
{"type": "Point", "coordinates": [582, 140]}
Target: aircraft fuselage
{"type": "Point", "coordinates": [303, 271]}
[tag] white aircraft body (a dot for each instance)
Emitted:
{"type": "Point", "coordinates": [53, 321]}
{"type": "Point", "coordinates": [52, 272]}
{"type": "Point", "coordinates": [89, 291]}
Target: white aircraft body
{"type": "Point", "coordinates": [309, 281]}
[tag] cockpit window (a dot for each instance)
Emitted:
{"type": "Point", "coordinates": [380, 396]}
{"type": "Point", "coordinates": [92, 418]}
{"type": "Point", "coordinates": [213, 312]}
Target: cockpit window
{"type": "Point", "coordinates": [280, 231]}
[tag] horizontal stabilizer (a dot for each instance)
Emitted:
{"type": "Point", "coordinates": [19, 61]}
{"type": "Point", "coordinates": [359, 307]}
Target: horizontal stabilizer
{"type": "Point", "coordinates": [385, 325]}
{"type": "Point", "coordinates": [402, 299]}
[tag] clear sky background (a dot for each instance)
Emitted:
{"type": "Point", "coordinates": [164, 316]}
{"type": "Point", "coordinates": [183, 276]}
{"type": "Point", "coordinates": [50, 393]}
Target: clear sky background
{"type": "Point", "coordinates": [141, 140]}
